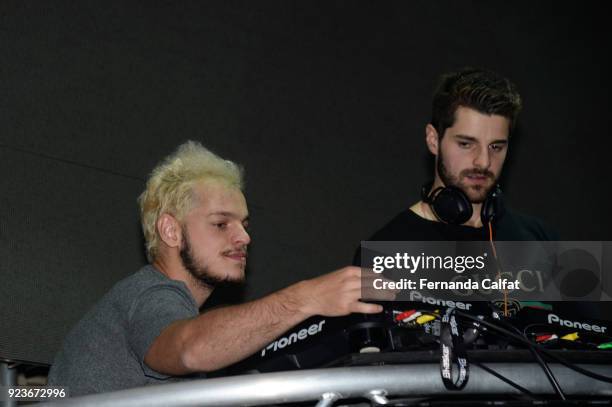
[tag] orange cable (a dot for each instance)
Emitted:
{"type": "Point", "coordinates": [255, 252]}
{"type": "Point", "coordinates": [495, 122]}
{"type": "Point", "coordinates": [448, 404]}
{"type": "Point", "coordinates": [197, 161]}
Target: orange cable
{"type": "Point", "coordinates": [498, 268]}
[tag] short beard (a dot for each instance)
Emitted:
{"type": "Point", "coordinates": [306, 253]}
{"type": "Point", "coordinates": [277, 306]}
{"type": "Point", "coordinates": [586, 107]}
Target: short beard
{"type": "Point", "coordinates": [200, 272]}
{"type": "Point", "coordinates": [450, 180]}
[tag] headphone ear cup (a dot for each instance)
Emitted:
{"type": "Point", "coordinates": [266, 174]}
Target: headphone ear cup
{"type": "Point", "coordinates": [493, 207]}
{"type": "Point", "coordinates": [452, 206]}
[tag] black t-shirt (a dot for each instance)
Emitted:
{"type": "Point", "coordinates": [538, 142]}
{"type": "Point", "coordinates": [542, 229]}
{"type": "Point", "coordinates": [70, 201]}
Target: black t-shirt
{"type": "Point", "coordinates": [408, 226]}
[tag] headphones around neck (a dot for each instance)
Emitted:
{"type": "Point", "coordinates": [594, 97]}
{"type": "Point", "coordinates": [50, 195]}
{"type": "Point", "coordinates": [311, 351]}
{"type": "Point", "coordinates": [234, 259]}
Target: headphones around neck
{"type": "Point", "coordinates": [451, 205]}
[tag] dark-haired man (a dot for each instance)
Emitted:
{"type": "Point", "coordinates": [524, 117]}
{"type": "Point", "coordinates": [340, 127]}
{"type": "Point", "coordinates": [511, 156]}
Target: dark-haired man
{"type": "Point", "coordinates": [473, 114]}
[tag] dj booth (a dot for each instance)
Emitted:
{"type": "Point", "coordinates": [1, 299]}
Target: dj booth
{"type": "Point", "coordinates": [409, 355]}
{"type": "Point", "coordinates": [397, 385]}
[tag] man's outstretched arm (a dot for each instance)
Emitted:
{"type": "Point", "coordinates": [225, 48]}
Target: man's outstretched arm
{"type": "Point", "coordinates": [223, 336]}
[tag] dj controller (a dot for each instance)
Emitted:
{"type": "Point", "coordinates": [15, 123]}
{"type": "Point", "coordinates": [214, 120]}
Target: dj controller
{"type": "Point", "coordinates": [408, 327]}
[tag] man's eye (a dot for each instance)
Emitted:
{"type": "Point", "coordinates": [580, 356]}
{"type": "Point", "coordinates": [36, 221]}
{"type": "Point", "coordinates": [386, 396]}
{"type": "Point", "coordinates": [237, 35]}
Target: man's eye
{"type": "Point", "coordinates": [464, 144]}
{"type": "Point", "coordinates": [497, 147]}
{"type": "Point", "coordinates": [221, 225]}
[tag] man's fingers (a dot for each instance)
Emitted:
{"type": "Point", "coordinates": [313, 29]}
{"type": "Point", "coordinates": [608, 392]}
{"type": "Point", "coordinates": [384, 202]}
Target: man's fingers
{"type": "Point", "coordinates": [367, 308]}
{"type": "Point", "coordinates": [378, 291]}
{"type": "Point", "coordinates": [378, 295]}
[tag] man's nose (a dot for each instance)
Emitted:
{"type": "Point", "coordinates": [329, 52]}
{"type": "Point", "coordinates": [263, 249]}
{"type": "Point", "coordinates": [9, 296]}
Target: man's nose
{"type": "Point", "coordinates": [242, 236]}
{"type": "Point", "coordinates": [482, 158]}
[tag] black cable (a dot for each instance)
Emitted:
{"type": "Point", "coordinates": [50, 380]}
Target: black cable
{"type": "Point", "coordinates": [549, 374]}
{"type": "Point", "coordinates": [488, 369]}
{"type": "Point", "coordinates": [547, 371]}
{"type": "Point", "coordinates": [535, 349]}
{"type": "Point", "coordinates": [506, 380]}
{"type": "Point", "coordinates": [551, 355]}
{"type": "Point", "coordinates": [535, 352]}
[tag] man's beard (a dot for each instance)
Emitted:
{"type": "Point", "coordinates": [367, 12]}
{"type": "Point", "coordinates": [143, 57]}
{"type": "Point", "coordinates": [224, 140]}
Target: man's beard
{"type": "Point", "coordinates": [200, 272]}
{"type": "Point", "coordinates": [476, 193]}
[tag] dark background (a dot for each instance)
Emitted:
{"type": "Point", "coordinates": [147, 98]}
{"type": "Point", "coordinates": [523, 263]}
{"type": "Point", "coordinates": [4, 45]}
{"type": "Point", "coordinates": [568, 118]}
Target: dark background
{"type": "Point", "coordinates": [323, 102]}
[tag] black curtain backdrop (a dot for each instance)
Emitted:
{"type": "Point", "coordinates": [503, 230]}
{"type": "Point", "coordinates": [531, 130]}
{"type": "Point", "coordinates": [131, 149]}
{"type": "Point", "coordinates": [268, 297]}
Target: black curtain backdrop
{"type": "Point", "coordinates": [323, 102]}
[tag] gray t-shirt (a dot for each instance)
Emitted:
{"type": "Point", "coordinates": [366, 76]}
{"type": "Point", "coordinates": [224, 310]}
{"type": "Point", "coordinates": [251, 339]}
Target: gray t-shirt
{"type": "Point", "coordinates": [105, 350]}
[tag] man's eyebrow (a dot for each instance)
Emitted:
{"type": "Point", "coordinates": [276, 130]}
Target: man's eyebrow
{"type": "Point", "coordinates": [474, 139]}
{"type": "Point", "coordinates": [228, 214]}
{"type": "Point", "coordinates": [465, 138]}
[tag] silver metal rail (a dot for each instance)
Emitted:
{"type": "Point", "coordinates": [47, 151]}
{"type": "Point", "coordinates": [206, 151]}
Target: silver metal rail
{"type": "Point", "coordinates": [8, 377]}
{"type": "Point", "coordinates": [325, 386]}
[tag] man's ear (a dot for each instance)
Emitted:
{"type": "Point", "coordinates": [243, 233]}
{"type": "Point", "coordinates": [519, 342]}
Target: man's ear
{"type": "Point", "coordinates": [432, 139]}
{"type": "Point", "coordinates": [169, 230]}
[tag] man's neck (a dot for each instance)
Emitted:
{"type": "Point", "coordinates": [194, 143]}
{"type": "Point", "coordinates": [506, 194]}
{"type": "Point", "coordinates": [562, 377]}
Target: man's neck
{"type": "Point", "coordinates": [174, 270]}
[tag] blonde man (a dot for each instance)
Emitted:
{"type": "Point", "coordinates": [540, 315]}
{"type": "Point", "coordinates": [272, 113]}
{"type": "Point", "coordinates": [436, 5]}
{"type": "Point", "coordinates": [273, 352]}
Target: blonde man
{"type": "Point", "coordinates": [147, 329]}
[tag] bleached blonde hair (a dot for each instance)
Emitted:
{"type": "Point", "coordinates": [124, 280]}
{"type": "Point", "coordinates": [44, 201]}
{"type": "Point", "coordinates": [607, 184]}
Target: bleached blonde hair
{"type": "Point", "coordinates": [170, 186]}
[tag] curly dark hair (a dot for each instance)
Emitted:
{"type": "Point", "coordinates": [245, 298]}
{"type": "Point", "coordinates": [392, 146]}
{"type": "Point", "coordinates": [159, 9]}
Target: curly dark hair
{"type": "Point", "coordinates": [484, 91]}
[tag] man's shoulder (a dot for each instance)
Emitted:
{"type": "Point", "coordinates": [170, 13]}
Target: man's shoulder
{"type": "Point", "coordinates": [399, 227]}
{"type": "Point", "coordinates": [146, 277]}
{"type": "Point", "coordinates": [132, 288]}
{"type": "Point", "coordinates": [404, 226]}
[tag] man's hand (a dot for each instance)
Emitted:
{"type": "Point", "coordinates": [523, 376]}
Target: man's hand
{"type": "Point", "coordinates": [368, 290]}
{"type": "Point", "coordinates": [333, 294]}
